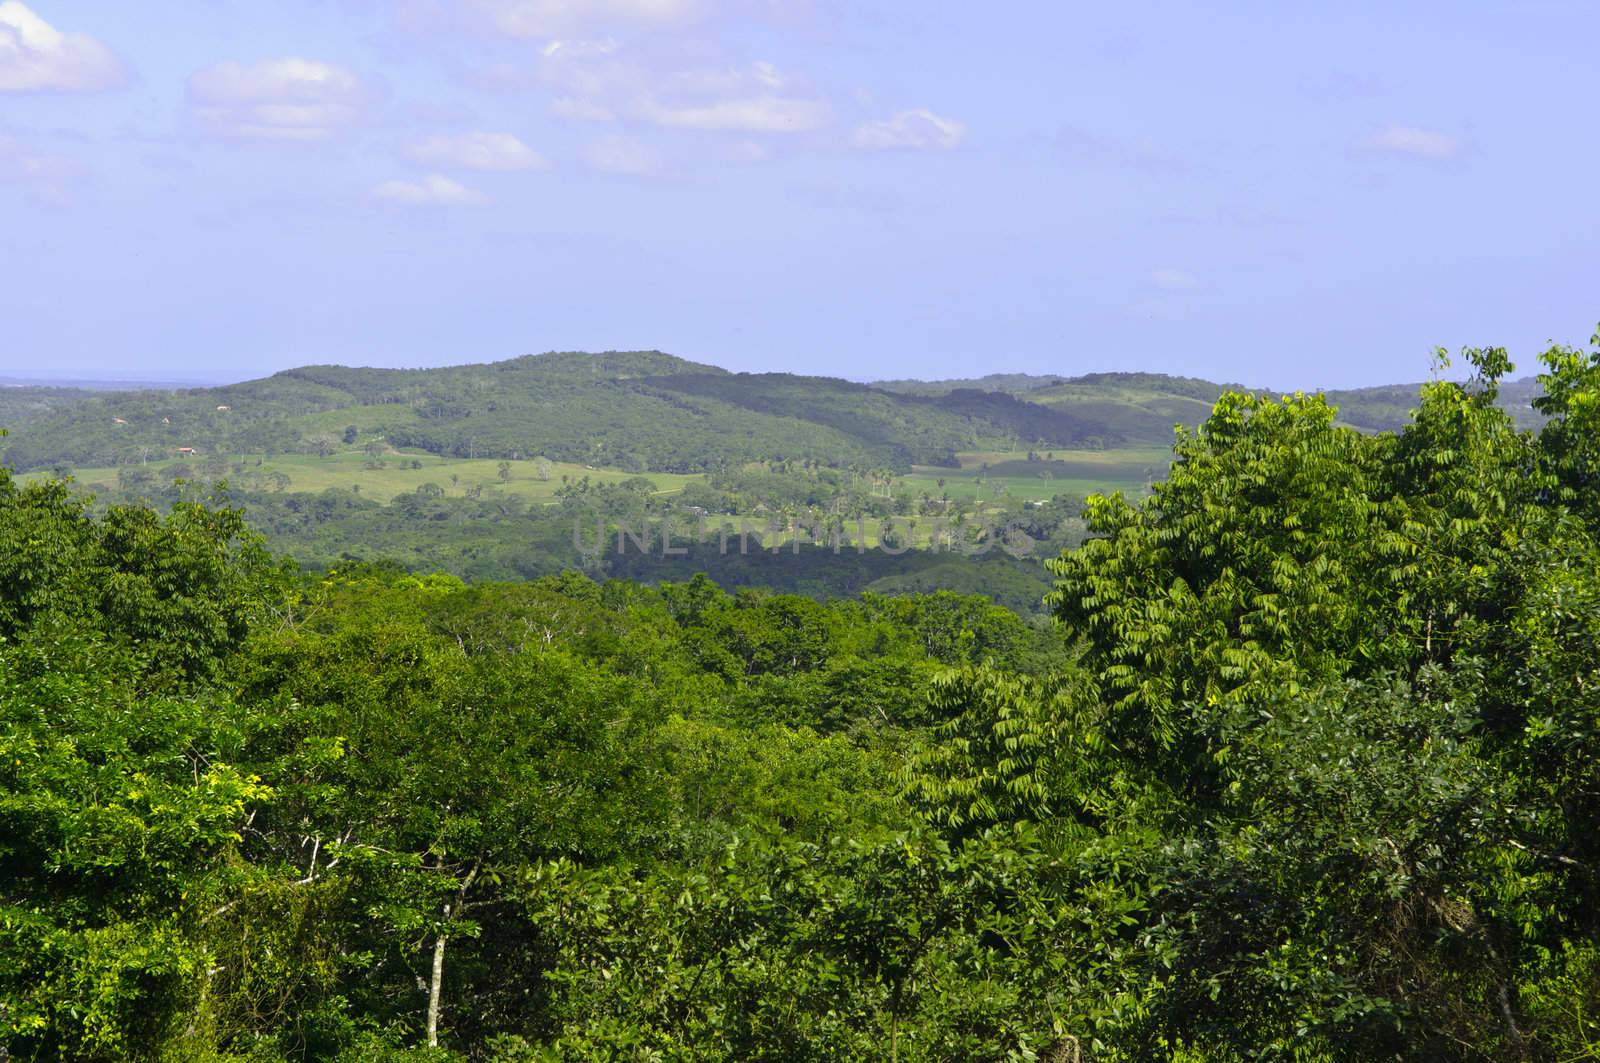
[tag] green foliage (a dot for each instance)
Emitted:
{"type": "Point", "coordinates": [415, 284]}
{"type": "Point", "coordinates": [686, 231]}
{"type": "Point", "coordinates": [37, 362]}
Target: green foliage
{"type": "Point", "coordinates": [1250, 568]}
{"type": "Point", "coordinates": [179, 589]}
{"type": "Point", "coordinates": [1307, 771]}
{"type": "Point", "coordinates": [1570, 443]}
{"type": "Point", "coordinates": [120, 814]}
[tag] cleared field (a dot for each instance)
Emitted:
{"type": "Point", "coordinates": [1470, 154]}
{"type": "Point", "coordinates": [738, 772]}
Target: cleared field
{"type": "Point", "coordinates": [1114, 458]}
{"type": "Point", "coordinates": [454, 476]}
{"type": "Point", "coordinates": [986, 476]}
{"type": "Point", "coordinates": [1078, 472]}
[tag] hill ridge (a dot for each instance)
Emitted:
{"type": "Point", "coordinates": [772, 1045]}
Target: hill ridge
{"type": "Point", "coordinates": [637, 410]}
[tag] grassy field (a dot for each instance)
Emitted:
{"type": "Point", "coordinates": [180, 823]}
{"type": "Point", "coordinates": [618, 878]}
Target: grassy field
{"type": "Point", "coordinates": [1077, 472]}
{"type": "Point", "coordinates": [985, 475]}
{"type": "Point", "coordinates": [455, 476]}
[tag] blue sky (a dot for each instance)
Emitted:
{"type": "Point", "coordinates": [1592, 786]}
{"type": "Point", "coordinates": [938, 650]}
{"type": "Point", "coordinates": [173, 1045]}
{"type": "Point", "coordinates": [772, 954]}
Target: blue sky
{"type": "Point", "coordinates": [1258, 192]}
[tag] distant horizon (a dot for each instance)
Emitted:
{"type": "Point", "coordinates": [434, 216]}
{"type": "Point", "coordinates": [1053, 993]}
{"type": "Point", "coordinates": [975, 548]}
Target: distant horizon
{"type": "Point", "coordinates": [89, 381]}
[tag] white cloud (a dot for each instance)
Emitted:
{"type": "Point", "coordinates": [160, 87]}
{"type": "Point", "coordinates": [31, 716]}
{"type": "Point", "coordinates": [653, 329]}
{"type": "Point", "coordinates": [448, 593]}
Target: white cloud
{"type": "Point", "coordinates": [910, 130]}
{"type": "Point", "coordinates": [580, 49]}
{"type": "Point", "coordinates": [757, 114]}
{"type": "Point", "coordinates": [623, 157]}
{"type": "Point", "coordinates": [431, 191]}
{"type": "Point", "coordinates": [36, 57]}
{"type": "Point", "coordinates": [280, 99]}
{"type": "Point", "coordinates": [550, 18]}
{"type": "Point", "coordinates": [1174, 280]}
{"type": "Point", "coordinates": [750, 151]}
{"type": "Point", "coordinates": [19, 163]}
{"type": "Point", "coordinates": [46, 177]}
{"type": "Point", "coordinates": [478, 151]}
{"type": "Point", "coordinates": [594, 83]}
{"type": "Point", "coordinates": [1419, 143]}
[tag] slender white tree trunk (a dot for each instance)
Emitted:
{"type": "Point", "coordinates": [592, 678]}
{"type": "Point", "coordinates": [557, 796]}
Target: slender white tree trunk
{"type": "Point", "coordinates": [435, 984]}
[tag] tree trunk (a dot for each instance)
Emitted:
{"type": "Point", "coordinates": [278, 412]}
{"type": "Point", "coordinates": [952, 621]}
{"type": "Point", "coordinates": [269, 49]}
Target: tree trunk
{"type": "Point", "coordinates": [435, 984]}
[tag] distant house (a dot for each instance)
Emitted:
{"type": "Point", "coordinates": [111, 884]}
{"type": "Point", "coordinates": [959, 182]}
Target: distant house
{"type": "Point", "coordinates": [185, 451]}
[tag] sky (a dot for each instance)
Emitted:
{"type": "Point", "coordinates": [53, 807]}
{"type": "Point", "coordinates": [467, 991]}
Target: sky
{"type": "Point", "coordinates": [1280, 195]}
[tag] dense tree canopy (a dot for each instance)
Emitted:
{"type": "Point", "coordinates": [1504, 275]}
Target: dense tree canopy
{"type": "Point", "coordinates": [1308, 769]}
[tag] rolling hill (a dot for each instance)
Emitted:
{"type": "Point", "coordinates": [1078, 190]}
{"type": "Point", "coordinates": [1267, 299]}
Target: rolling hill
{"type": "Point", "coordinates": [635, 411]}
{"type": "Point", "coordinates": [1136, 408]}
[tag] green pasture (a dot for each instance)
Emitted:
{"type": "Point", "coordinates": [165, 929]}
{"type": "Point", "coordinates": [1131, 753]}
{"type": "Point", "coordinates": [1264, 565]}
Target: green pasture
{"type": "Point", "coordinates": [349, 469]}
{"type": "Point", "coordinates": [1077, 472]}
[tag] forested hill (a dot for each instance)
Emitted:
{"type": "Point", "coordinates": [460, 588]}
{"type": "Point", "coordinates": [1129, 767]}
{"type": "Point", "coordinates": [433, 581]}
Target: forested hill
{"type": "Point", "coordinates": [640, 411]}
{"type": "Point", "coordinates": [1139, 405]}
{"type": "Point", "coordinates": [637, 410]}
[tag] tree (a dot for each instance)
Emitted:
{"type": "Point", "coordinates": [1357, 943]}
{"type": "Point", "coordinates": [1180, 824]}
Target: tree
{"type": "Point", "coordinates": [1254, 566]}
{"type": "Point", "coordinates": [131, 479]}
{"type": "Point", "coordinates": [1570, 442]}
{"type": "Point", "coordinates": [456, 773]}
{"type": "Point", "coordinates": [122, 814]}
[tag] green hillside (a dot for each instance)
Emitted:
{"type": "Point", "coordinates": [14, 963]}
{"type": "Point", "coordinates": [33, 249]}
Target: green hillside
{"type": "Point", "coordinates": [1387, 408]}
{"type": "Point", "coordinates": [631, 411]}
{"type": "Point", "coordinates": [1131, 406]}
{"type": "Point", "coordinates": [1107, 409]}
{"type": "Point", "coordinates": [1142, 407]}
{"type": "Point", "coordinates": [24, 404]}
{"type": "Point", "coordinates": [634, 411]}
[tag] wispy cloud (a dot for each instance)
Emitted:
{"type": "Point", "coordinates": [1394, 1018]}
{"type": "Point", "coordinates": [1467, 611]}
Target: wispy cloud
{"type": "Point", "coordinates": [595, 81]}
{"type": "Point", "coordinates": [1417, 143]}
{"type": "Point", "coordinates": [46, 177]}
{"type": "Point", "coordinates": [623, 157]}
{"type": "Point", "coordinates": [434, 190]}
{"type": "Point", "coordinates": [280, 99]}
{"type": "Point", "coordinates": [478, 151]}
{"type": "Point", "coordinates": [551, 18]}
{"type": "Point", "coordinates": [36, 57]}
{"type": "Point", "coordinates": [749, 151]}
{"type": "Point", "coordinates": [918, 130]}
